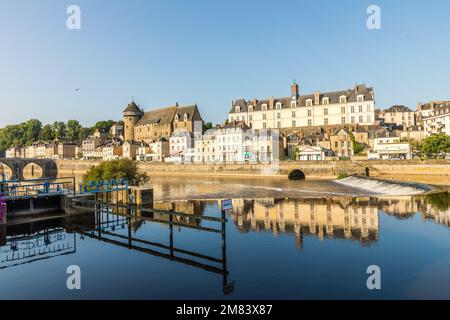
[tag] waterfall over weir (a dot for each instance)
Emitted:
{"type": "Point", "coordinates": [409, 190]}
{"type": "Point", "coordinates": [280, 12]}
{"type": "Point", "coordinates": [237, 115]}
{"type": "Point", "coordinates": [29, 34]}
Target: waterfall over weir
{"type": "Point", "coordinates": [385, 187]}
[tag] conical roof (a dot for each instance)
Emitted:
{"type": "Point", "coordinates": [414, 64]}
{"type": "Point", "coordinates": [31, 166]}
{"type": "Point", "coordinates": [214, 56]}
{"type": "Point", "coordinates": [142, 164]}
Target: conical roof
{"type": "Point", "coordinates": [132, 107]}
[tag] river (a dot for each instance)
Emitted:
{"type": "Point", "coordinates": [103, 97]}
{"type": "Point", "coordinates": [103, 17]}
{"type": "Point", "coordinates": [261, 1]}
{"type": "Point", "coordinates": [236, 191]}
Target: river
{"type": "Point", "coordinates": [284, 240]}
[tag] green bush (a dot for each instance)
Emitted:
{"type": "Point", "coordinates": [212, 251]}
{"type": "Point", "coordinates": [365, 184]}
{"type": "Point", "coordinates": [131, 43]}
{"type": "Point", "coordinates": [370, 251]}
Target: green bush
{"type": "Point", "coordinates": [116, 169]}
{"type": "Point", "coordinates": [436, 145]}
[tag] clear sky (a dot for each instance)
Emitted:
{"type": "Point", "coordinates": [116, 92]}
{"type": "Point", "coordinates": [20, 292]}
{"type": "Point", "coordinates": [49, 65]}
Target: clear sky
{"type": "Point", "coordinates": [211, 52]}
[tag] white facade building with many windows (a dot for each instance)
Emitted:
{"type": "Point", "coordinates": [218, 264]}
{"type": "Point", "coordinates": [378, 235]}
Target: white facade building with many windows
{"type": "Point", "coordinates": [386, 148]}
{"type": "Point", "coordinates": [438, 121]}
{"type": "Point", "coordinates": [352, 106]}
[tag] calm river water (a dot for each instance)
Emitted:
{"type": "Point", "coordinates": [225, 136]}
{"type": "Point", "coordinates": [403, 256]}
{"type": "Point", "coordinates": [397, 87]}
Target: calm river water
{"type": "Point", "coordinates": [284, 240]}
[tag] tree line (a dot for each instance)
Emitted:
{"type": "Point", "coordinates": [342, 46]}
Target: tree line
{"type": "Point", "coordinates": [26, 133]}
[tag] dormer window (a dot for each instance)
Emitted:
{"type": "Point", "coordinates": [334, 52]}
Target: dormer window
{"type": "Point", "coordinates": [264, 107]}
{"type": "Point", "coordinates": [250, 109]}
{"type": "Point", "coordinates": [177, 118]}
{"type": "Point", "coordinates": [343, 99]}
{"type": "Point", "coordinates": [326, 100]}
{"type": "Point", "coordinates": [185, 117]}
{"type": "Point", "coordinates": [360, 98]}
{"type": "Point", "coordinates": [309, 102]}
{"type": "Point", "coordinates": [278, 105]}
{"type": "Point", "coordinates": [293, 104]}
{"type": "Point", "coordinates": [237, 109]}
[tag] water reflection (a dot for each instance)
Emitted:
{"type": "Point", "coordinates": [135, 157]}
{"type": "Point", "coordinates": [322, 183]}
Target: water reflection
{"type": "Point", "coordinates": [27, 243]}
{"type": "Point", "coordinates": [341, 218]}
{"type": "Point", "coordinates": [188, 260]}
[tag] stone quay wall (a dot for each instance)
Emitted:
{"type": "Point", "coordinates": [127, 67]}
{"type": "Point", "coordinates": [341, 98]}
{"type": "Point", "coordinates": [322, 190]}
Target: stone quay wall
{"type": "Point", "coordinates": [312, 169]}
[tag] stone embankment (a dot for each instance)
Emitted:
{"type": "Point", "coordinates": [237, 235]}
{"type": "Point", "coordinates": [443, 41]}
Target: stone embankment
{"type": "Point", "coordinates": [430, 171]}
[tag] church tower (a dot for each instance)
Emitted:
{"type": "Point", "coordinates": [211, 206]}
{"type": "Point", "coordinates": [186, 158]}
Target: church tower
{"type": "Point", "coordinates": [132, 114]}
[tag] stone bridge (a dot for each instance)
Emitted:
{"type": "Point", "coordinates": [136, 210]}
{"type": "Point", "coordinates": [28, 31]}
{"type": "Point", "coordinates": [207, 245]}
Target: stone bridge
{"type": "Point", "coordinates": [17, 166]}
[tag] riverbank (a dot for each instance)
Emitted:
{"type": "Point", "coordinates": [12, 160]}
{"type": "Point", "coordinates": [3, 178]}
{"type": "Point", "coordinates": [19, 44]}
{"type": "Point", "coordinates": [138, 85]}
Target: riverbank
{"type": "Point", "coordinates": [435, 172]}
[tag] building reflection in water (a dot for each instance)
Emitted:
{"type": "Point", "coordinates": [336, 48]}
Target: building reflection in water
{"type": "Point", "coordinates": [340, 217]}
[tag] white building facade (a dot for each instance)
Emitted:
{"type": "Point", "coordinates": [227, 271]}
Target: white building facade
{"type": "Point", "coordinates": [348, 107]}
{"type": "Point", "coordinates": [386, 148]}
{"type": "Point", "coordinates": [438, 121]}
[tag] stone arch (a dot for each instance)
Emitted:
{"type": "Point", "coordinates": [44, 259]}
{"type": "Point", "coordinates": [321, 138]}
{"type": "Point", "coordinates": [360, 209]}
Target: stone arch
{"type": "Point", "coordinates": [296, 174]}
{"type": "Point", "coordinates": [5, 171]}
{"type": "Point", "coordinates": [33, 170]}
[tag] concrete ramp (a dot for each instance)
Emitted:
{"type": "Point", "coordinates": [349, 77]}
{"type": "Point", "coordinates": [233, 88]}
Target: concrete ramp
{"type": "Point", "coordinates": [385, 187]}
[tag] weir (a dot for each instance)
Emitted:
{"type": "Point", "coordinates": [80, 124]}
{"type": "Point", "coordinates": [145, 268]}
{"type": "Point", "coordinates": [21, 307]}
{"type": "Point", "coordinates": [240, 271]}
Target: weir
{"type": "Point", "coordinates": [385, 187]}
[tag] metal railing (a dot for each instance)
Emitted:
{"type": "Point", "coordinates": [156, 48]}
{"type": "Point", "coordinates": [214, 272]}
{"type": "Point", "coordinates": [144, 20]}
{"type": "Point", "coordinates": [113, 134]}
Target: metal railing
{"type": "Point", "coordinates": [34, 188]}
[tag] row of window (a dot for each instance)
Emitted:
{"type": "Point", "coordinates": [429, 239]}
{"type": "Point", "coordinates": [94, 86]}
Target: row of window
{"type": "Point", "coordinates": [325, 122]}
{"type": "Point", "coordinates": [309, 113]}
{"type": "Point", "coordinates": [309, 103]}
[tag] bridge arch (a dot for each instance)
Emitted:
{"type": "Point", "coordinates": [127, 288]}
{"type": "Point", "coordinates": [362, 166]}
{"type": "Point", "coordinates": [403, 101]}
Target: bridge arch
{"type": "Point", "coordinates": [32, 170]}
{"type": "Point", "coordinates": [297, 175]}
{"type": "Point", "coordinates": [47, 168]}
{"type": "Point", "coordinates": [6, 172]}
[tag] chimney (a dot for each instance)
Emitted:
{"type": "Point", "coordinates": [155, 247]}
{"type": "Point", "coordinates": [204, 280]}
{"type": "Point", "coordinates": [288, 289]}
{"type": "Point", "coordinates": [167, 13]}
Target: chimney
{"type": "Point", "coordinates": [271, 103]}
{"type": "Point", "coordinates": [356, 89]}
{"type": "Point", "coordinates": [419, 106]}
{"type": "Point", "coordinates": [294, 91]}
{"type": "Point", "coordinates": [317, 97]}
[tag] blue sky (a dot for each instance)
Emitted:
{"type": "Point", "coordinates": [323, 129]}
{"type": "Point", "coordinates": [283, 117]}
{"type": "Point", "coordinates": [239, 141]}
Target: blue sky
{"type": "Point", "coordinates": [211, 52]}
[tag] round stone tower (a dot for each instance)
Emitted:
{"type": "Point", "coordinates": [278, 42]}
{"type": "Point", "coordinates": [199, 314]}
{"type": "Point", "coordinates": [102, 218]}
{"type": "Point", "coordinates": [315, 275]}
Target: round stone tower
{"type": "Point", "coordinates": [131, 115]}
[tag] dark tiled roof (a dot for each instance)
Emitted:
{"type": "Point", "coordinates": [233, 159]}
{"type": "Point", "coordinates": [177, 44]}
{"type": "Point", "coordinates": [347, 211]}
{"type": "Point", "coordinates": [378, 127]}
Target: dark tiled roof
{"type": "Point", "coordinates": [132, 107]}
{"type": "Point", "coordinates": [189, 110]}
{"type": "Point", "coordinates": [235, 124]}
{"type": "Point", "coordinates": [398, 108]}
{"type": "Point", "coordinates": [435, 104]}
{"type": "Point", "coordinates": [334, 97]}
{"type": "Point", "coordinates": [165, 116]}
{"type": "Point", "coordinates": [338, 130]}
{"type": "Point", "coordinates": [159, 116]}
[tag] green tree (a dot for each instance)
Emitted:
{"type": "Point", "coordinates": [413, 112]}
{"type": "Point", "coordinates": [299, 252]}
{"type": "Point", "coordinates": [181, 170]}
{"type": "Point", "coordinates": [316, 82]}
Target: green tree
{"type": "Point", "coordinates": [13, 135]}
{"type": "Point", "coordinates": [33, 129]}
{"type": "Point", "coordinates": [47, 133]}
{"type": "Point", "coordinates": [116, 169]}
{"type": "Point", "coordinates": [73, 130]}
{"type": "Point", "coordinates": [207, 126]}
{"type": "Point", "coordinates": [59, 130]}
{"type": "Point", "coordinates": [358, 148]}
{"type": "Point", "coordinates": [104, 125]}
{"type": "Point", "coordinates": [84, 133]}
{"type": "Point", "coordinates": [436, 145]}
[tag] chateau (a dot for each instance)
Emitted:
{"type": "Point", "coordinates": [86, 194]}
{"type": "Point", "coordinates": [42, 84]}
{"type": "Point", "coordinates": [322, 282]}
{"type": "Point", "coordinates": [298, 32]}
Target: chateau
{"type": "Point", "coordinates": [347, 107]}
{"type": "Point", "coordinates": [153, 125]}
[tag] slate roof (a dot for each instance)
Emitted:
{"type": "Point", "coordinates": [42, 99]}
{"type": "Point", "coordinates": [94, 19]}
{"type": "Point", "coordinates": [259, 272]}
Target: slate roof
{"type": "Point", "coordinates": [189, 110]}
{"type": "Point", "coordinates": [132, 107]}
{"type": "Point", "coordinates": [165, 116]}
{"type": "Point", "coordinates": [334, 97]}
{"type": "Point", "coordinates": [235, 124]}
{"type": "Point", "coordinates": [159, 116]}
{"type": "Point", "coordinates": [398, 108]}
{"type": "Point", "coordinates": [435, 104]}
